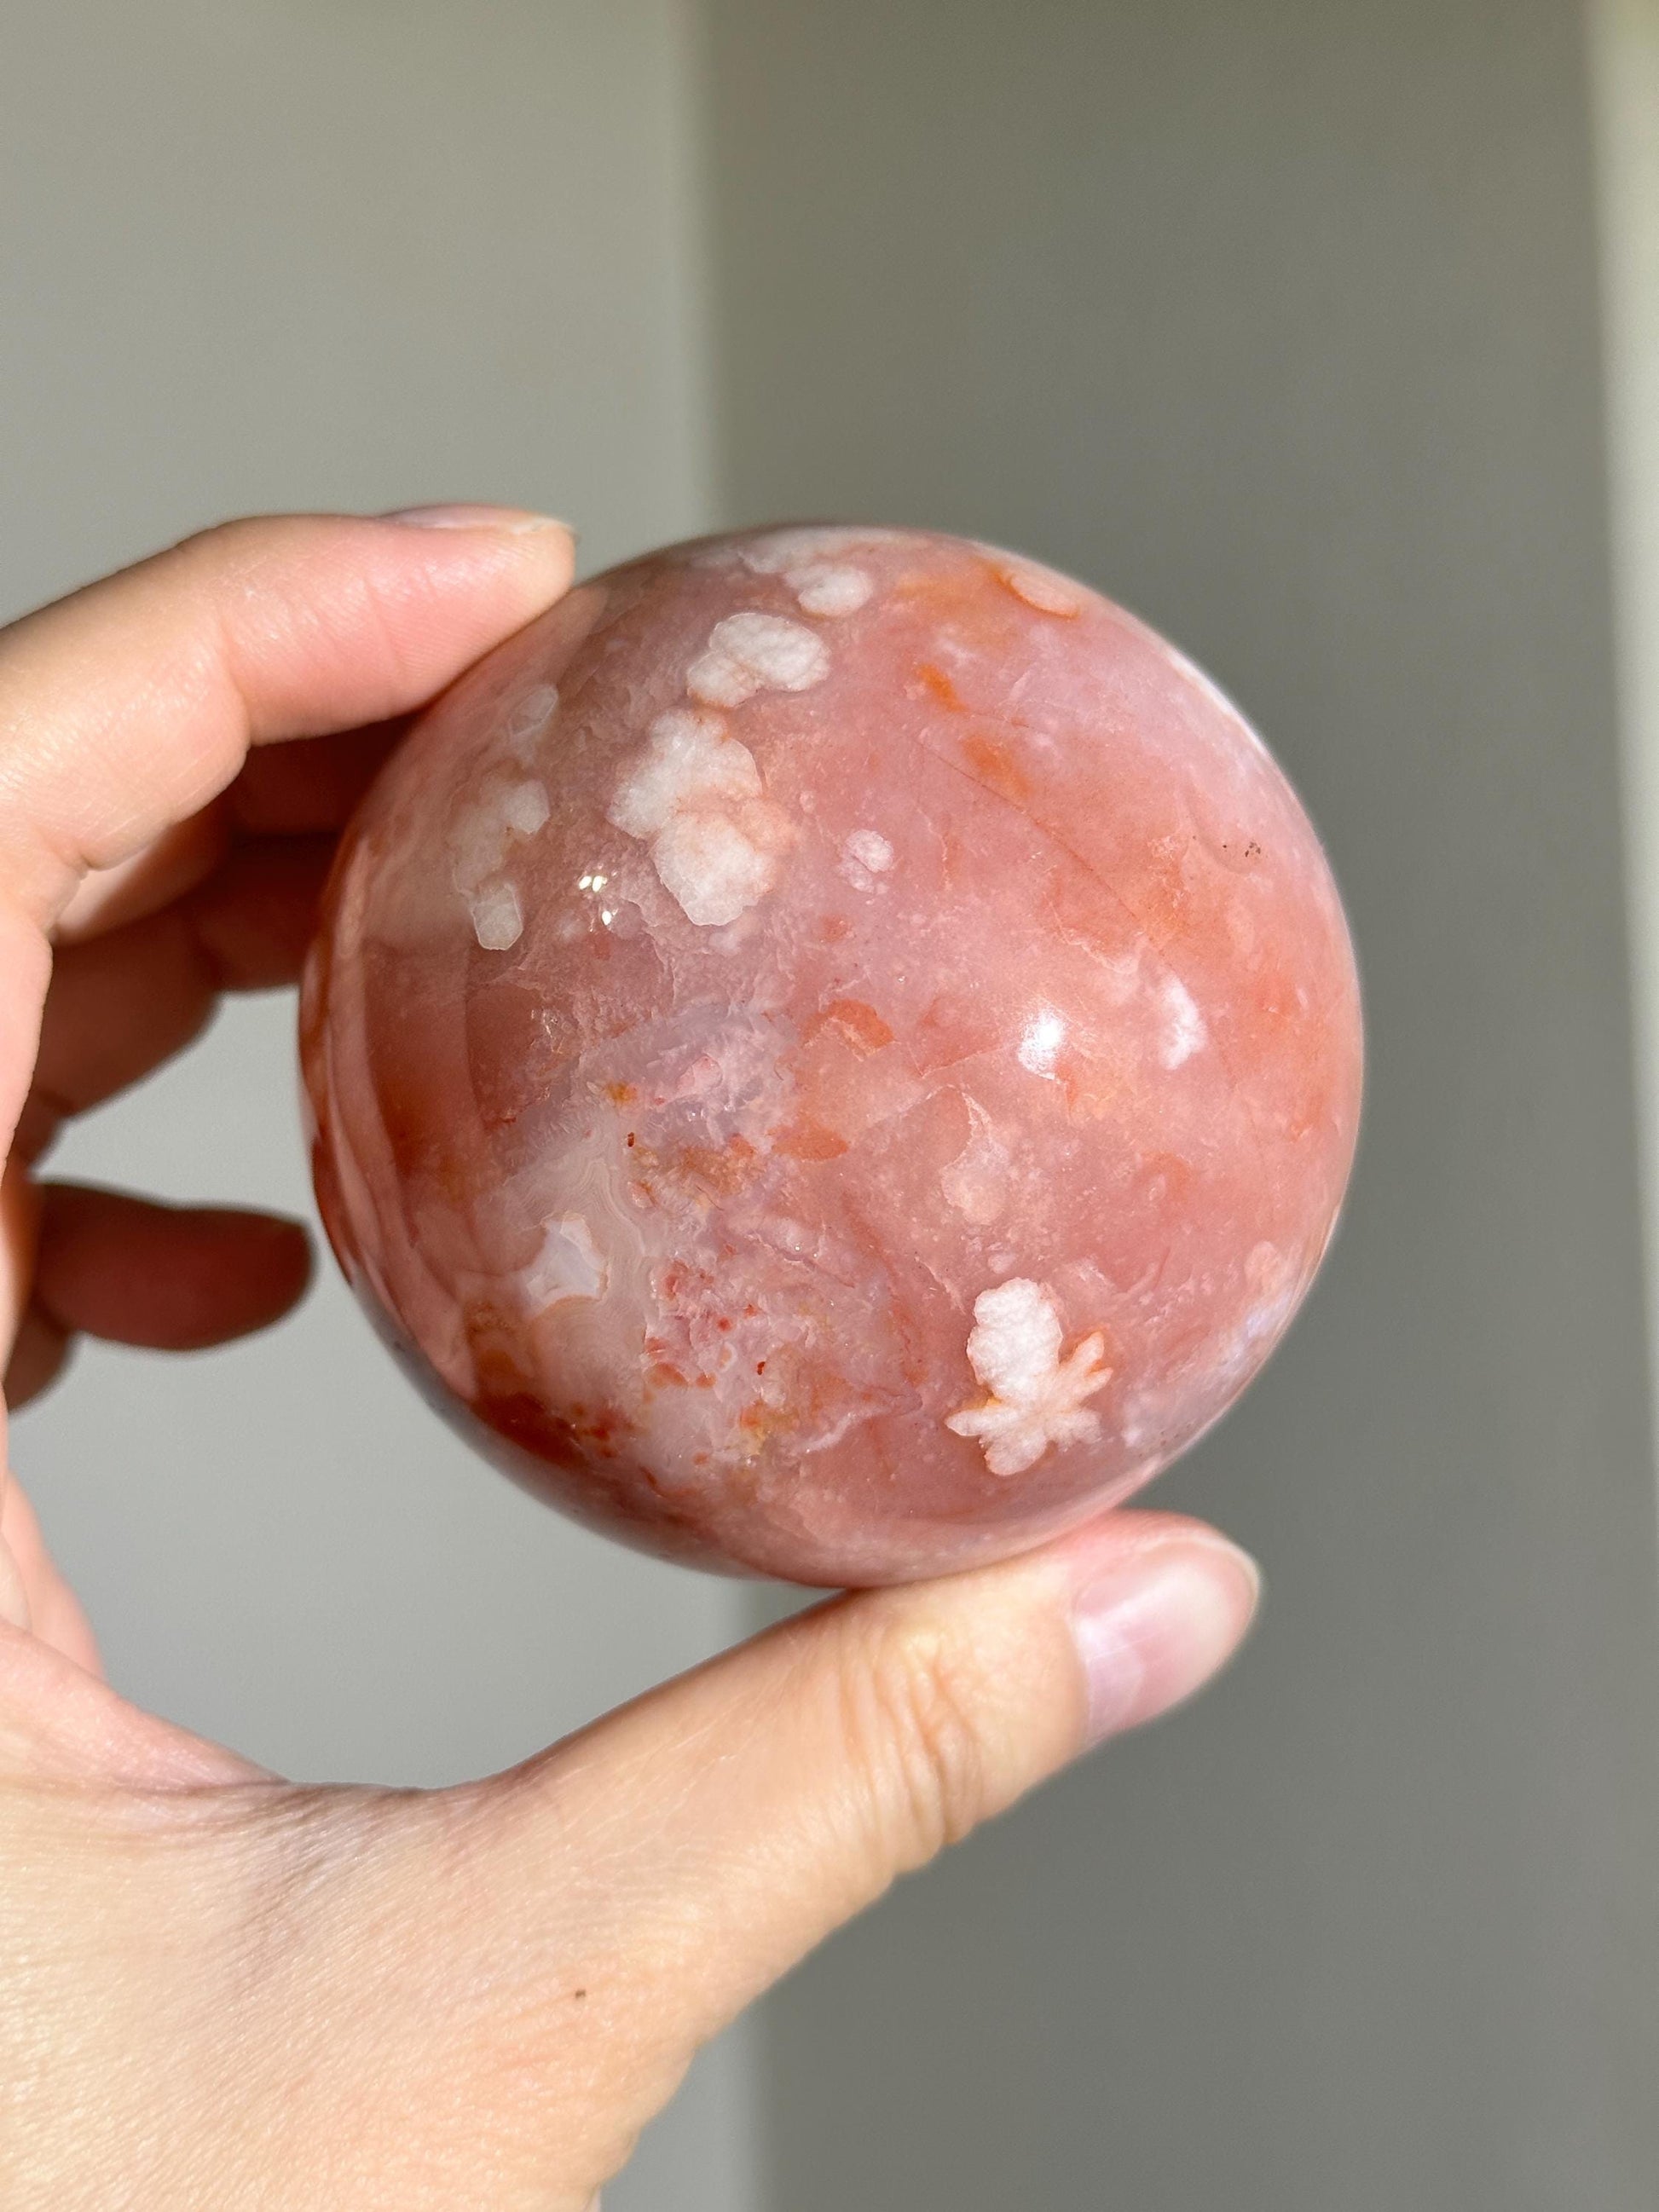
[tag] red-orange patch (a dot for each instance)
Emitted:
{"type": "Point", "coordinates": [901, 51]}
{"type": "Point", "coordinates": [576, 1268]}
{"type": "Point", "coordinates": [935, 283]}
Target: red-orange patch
{"type": "Point", "coordinates": [722, 1170]}
{"type": "Point", "coordinates": [858, 1025]}
{"type": "Point", "coordinates": [809, 1140]}
{"type": "Point", "coordinates": [935, 680]}
{"type": "Point", "coordinates": [996, 767]}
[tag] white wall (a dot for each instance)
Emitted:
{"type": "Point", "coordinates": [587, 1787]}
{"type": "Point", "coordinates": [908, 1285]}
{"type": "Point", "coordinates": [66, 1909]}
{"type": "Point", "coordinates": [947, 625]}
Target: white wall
{"type": "Point", "coordinates": [343, 254]}
{"type": "Point", "coordinates": [1282, 323]}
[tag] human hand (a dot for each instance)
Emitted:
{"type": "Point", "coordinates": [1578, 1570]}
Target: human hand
{"type": "Point", "coordinates": [219, 1987]}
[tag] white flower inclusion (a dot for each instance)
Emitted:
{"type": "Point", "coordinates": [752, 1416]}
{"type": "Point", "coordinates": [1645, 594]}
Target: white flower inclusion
{"type": "Point", "coordinates": [752, 652]}
{"type": "Point", "coordinates": [689, 760]}
{"type": "Point", "coordinates": [569, 1265]}
{"type": "Point", "coordinates": [507, 809]}
{"type": "Point", "coordinates": [1184, 1029]}
{"type": "Point", "coordinates": [870, 849]}
{"type": "Point", "coordinates": [825, 589]}
{"type": "Point", "coordinates": [497, 915]}
{"type": "Point", "coordinates": [1036, 1397]}
{"type": "Point", "coordinates": [694, 794]}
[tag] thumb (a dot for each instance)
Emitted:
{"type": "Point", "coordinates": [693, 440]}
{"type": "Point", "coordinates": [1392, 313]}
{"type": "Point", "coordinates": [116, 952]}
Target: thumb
{"type": "Point", "coordinates": [658, 1871]}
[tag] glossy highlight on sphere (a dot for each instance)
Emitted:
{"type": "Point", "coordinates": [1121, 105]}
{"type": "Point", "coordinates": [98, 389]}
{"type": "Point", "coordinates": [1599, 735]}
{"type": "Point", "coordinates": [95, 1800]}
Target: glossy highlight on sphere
{"type": "Point", "coordinates": [833, 1053]}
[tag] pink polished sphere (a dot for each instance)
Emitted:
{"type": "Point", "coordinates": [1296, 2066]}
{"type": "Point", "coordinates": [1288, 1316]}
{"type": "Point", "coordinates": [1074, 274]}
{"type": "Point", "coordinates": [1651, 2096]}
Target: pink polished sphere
{"type": "Point", "coordinates": [835, 1053]}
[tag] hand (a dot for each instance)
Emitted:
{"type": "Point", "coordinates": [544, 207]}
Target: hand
{"type": "Point", "coordinates": [217, 1987]}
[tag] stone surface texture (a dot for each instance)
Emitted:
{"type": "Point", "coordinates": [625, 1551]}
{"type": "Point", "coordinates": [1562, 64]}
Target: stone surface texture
{"type": "Point", "coordinates": [835, 1053]}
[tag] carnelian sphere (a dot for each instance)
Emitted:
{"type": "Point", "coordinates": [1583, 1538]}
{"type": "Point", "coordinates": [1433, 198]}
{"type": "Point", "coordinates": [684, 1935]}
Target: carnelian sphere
{"type": "Point", "coordinates": [835, 1053]}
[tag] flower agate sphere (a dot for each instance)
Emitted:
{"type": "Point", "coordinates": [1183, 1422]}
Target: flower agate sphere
{"type": "Point", "coordinates": [834, 1053]}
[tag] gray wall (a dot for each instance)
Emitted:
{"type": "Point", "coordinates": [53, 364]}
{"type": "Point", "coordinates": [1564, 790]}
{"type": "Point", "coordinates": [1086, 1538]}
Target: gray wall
{"type": "Point", "coordinates": [333, 252]}
{"type": "Point", "coordinates": [1281, 323]}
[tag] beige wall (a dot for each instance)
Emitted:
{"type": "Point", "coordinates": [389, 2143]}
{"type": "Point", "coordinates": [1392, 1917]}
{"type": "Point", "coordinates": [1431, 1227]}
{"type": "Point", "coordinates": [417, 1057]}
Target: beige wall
{"type": "Point", "coordinates": [1281, 322]}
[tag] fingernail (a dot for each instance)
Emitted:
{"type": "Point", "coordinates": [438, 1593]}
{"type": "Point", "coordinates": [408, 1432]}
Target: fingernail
{"type": "Point", "coordinates": [1153, 1631]}
{"type": "Point", "coordinates": [516, 521]}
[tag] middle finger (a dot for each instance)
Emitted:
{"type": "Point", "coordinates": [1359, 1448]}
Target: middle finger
{"type": "Point", "coordinates": [120, 1004]}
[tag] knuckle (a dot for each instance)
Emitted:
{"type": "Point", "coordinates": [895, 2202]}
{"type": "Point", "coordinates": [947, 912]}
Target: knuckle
{"type": "Point", "coordinates": [912, 1716]}
{"type": "Point", "coordinates": [221, 544]}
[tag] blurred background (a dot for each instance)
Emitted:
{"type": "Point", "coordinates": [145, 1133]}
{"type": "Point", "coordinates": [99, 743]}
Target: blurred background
{"type": "Point", "coordinates": [1325, 335]}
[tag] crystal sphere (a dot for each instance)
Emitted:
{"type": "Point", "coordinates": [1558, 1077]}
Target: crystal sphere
{"type": "Point", "coordinates": [833, 1053]}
